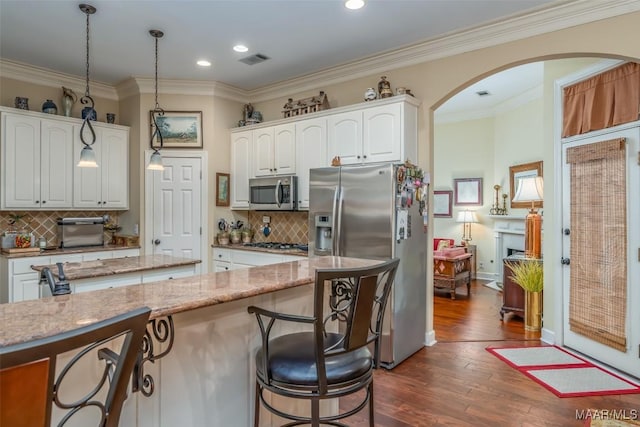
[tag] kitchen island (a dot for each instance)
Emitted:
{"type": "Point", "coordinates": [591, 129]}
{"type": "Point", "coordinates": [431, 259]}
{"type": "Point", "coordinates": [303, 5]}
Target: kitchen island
{"type": "Point", "coordinates": [207, 378]}
{"type": "Point", "coordinates": [110, 273]}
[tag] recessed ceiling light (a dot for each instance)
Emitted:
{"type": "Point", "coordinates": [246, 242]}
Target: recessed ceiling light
{"type": "Point", "coordinates": [354, 4]}
{"type": "Point", "coordinates": [240, 48]}
{"type": "Point", "coordinates": [204, 63]}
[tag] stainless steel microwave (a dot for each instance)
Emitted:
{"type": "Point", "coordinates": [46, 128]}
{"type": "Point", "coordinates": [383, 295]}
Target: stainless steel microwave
{"type": "Point", "coordinates": [274, 193]}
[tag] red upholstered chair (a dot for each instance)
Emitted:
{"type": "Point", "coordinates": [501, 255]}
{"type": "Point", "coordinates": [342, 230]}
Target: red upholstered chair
{"type": "Point", "coordinates": [437, 240]}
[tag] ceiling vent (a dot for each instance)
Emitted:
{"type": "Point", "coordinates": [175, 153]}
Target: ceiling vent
{"type": "Point", "coordinates": [254, 59]}
{"type": "Point", "coordinates": [483, 93]}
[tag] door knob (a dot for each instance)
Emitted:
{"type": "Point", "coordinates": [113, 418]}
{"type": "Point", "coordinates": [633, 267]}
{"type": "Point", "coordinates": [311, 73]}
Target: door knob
{"type": "Point", "coordinates": [565, 261]}
{"type": "Point", "coordinates": [156, 242]}
{"type": "Point", "coordinates": [566, 231]}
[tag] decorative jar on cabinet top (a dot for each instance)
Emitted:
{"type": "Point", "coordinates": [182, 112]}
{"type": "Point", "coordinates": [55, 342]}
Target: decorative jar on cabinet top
{"type": "Point", "coordinates": [370, 94]}
{"type": "Point", "coordinates": [49, 107]}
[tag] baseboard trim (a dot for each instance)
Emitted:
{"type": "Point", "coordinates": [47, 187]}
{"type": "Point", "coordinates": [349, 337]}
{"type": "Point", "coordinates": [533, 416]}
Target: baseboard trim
{"type": "Point", "coordinates": [430, 338]}
{"type": "Point", "coordinates": [548, 336]}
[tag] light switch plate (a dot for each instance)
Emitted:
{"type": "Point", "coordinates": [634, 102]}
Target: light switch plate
{"type": "Point", "coordinates": [266, 219]}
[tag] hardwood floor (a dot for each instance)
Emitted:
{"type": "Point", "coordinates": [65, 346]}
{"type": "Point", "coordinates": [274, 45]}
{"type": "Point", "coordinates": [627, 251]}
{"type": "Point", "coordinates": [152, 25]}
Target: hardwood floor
{"type": "Point", "coordinates": [457, 382]}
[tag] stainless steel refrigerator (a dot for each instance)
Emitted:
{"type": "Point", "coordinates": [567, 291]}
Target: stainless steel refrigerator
{"type": "Point", "coordinates": [362, 212]}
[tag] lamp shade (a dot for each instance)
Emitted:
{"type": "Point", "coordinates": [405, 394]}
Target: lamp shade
{"type": "Point", "coordinates": [87, 158]}
{"type": "Point", "coordinates": [155, 162]}
{"type": "Point", "coordinates": [467, 216]}
{"type": "Point", "coordinates": [530, 189]}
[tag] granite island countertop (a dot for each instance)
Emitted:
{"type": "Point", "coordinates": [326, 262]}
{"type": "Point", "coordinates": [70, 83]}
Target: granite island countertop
{"type": "Point", "coordinates": [241, 247]}
{"type": "Point", "coordinates": [28, 320]}
{"type": "Point", "coordinates": [108, 267]}
{"type": "Point", "coordinates": [62, 251]}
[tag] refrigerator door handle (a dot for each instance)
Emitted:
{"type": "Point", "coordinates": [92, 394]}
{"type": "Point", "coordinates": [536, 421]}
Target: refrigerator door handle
{"type": "Point", "coordinates": [337, 232]}
{"type": "Point", "coordinates": [278, 198]}
{"type": "Point", "coordinates": [334, 221]}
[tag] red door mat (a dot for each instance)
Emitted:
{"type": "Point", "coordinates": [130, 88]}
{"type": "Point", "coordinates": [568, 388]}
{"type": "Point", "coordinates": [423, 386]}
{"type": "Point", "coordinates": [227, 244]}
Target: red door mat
{"type": "Point", "coordinates": [563, 373]}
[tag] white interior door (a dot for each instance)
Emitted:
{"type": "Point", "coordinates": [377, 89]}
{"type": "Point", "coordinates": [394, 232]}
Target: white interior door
{"type": "Point", "coordinates": [626, 357]}
{"type": "Point", "coordinates": [177, 208]}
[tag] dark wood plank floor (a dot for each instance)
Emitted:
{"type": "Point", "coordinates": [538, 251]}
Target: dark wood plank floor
{"type": "Point", "coordinates": [457, 382]}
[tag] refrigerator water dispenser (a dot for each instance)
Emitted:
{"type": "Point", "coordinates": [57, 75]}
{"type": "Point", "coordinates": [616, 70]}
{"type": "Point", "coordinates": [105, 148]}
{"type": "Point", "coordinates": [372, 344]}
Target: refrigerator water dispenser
{"type": "Point", "coordinates": [323, 234]}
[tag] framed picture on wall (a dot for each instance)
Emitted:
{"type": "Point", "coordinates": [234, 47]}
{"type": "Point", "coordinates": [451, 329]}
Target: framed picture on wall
{"type": "Point", "coordinates": [516, 173]}
{"type": "Point", "coordinates": [468, 191]}
{"type": "Point", "coordinates": [222, 189]}
{"type": "Point", "coordinates": [442, 202]}
{"type": "Point", "coordinates": [179, 129]}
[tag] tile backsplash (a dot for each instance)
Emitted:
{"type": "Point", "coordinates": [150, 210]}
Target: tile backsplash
{"type": "Point", "coordinates": [44, 223]}
{"type": "Point", "coordinates": [286, 227]}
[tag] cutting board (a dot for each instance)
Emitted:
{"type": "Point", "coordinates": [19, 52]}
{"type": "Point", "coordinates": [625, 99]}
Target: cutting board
{"type": "Point", "coordinates": [19, 250]}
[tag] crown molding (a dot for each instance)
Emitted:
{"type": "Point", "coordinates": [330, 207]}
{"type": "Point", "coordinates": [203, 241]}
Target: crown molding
{"type": "Point", "coordinates": [45, 77]}
{"type": "Point", "coordinates": [565, 15]}
{"type": "Point", "coordinates": [503, 107]}
{"type": "Point", "coordinates": [183, 87]}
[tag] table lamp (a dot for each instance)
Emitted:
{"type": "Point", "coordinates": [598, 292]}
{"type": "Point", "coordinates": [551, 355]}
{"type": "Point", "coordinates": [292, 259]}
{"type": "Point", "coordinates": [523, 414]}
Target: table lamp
{"type": "Point", "coordinates": [467, 218]}
{"type": "Point", "coordinates": [530, 189]}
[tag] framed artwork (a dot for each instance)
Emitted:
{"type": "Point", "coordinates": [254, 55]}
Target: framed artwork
{"type": "Point", "coordinates": [468, 191]}
{"type": "Point", "coordinates": [222, 189]}
{"type": "Point", "coordinates": [442, 202]}
{"type": "Point", "coordinates": [518, 172]}
{"type": "Point", "coordinates": [179, 129]}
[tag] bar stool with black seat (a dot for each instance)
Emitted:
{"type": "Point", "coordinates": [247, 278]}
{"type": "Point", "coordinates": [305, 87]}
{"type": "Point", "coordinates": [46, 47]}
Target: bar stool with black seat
{"type": "Point", "coordinates": [28, 383]}
{"type": "Point", "coordinates": [333, 359]}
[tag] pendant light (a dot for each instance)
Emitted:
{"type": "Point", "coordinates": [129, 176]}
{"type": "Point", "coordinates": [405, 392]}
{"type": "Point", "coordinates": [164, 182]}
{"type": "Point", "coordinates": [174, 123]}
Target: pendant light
{"type": "Point", "coordinates": [87, 155]}
{"type": "Point", "coordinates": [155, 162]}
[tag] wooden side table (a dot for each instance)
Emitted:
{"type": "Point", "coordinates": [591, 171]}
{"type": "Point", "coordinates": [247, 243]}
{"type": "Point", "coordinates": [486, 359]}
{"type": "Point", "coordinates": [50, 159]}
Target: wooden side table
{"type": "Point", "coordinates": [450, 272]}
{"type": "Point", "coordinates": [512, 293]}
{"type": "Point", "coordinates": [472, 249]}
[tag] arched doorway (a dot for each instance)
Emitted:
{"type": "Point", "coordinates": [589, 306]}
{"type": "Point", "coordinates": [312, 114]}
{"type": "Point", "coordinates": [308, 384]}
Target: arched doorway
{"type": "Point", "coordinates": [501, 156]}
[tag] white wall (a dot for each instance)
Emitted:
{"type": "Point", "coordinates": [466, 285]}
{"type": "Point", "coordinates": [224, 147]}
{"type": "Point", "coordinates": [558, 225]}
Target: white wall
{"type": "Point", "coordinates": [465, 150]}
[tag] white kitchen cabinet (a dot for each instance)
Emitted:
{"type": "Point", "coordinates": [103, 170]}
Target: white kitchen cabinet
{"type": "Point", "coordinates": [241, 158]}
{"type": "Point", "coordinates": [385, 130]}
{"type": "Point", "coordinates": [36, 162]}
{"type": "Point", "coordinates": [382, 133]}
{"type": "Point", "coordinates": [107, 186]}
{"type": "Point", "coordinates": [274, 150]}
{"type": "Point", "coordinates": [344, 135]}
{"type": "Point", "coordinates": [311, 144]}
{"type": "Point", "coordinates": [38, 154]}
{"type": "Point", "coordinates": [169, 273]}
{"type": "Point", "coordinates": [25, 287]}
{"type": "Point", "coordinates": [235, 259]}
{"type": "Point", "coordinates": [18, 282]}
{"type": "Point", "coordinates": [105, 282]}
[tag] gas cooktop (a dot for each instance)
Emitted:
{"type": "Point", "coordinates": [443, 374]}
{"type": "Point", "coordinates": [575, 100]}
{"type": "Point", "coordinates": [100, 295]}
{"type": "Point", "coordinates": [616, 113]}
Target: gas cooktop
{"type": "Point", "coordinates": [276, 245]}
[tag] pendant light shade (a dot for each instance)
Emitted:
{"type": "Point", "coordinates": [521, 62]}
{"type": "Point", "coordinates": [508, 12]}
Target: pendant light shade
{"type": "Point", "coordinates": [87, 158]}
{"type": "Point", "coordinates": [87, 155]}
{"type": "Point", "coordinates": [155, 162]}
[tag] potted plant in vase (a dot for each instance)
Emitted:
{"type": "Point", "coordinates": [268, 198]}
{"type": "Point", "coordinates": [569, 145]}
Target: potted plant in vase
{"type": "Point", "coordinates": [223, 238]}
{"type": "Point", "coordinates": [247, 234]}
{"type": "Point", "coordinates": [528, 273]}
{"type": "Point", "coordinates": [235, 235]}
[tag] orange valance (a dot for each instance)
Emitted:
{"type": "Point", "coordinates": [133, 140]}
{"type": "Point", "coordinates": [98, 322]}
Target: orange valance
{"type": "Point", "coordinates": [608, 99]}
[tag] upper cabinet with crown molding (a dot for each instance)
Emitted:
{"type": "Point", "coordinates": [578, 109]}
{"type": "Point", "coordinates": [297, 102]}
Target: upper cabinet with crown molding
{"type": "Point", "coordinates": [384, 130]}
{"type": "Point", "coordinates": [38, 154]}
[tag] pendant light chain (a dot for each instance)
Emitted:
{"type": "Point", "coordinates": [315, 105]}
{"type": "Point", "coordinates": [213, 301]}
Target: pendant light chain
{"type": "Point", "coordinates": [87, 156]}
{"type": "Point", "coordinates": [156, 84]}
{"type": "Point", "coordinates": [86, 90]}
{"type": "Point", "coordinates": [155, 162]}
